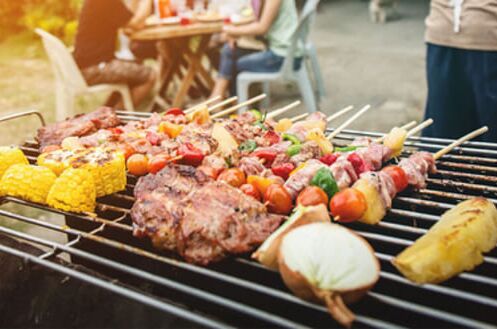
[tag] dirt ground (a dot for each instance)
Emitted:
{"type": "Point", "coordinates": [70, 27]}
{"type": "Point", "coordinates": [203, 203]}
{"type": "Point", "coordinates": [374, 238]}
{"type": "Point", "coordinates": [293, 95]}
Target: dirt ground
{"type": "Point", "coordinates": [365, 63]}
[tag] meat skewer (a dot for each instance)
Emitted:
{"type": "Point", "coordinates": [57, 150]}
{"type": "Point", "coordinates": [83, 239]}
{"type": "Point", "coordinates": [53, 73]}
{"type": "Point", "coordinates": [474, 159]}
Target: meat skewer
{"type": "Point", "coordinates": [223, 103]}
{"type": "Point", "coordinates": [282, 110]}
{"type": "Point", "coordinates": [371, 196]}
{"type": "Point", "coordinates": [348, 122]}
{"type": "Point", "coordinates": [299, 117]}
{"type": "Point", "coordinates": [339, 113]}
{"type": "Point", "coordinates": [239, 106]}
{"type": "Point", "coordinates": [201, 104]}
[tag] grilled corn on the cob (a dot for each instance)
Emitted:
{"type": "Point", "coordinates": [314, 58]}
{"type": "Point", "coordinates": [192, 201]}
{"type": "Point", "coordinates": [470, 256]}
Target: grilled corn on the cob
{"type": "Point", "coordinates": [454, 244]}
{"type": "Point", "coordinates": [10, 155]}
{"type": "Point", "coordinates": [73, 190]}
{"type": "Point", "coordinates": [58, 160]}
{"type": "Point", "coordinates": [27, 182]}
{"type": "Point", "coordinates": [108, 169]}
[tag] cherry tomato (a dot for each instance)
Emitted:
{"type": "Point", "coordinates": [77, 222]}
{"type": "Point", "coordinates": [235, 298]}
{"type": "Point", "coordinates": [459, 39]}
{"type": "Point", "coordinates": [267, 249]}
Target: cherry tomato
{"type": "Point", "coordinates": [251, 190]}
{"type": "Point", "coordinates": [348, 205]}
{"type": "Point", "coordinates": [138, 165]}
{"type": "Point", "coordinates": [312, 196]}
{"type": "Point", "coordinates": [127, 150]}
{"type": "Point", "coordinates": [116, 130]}
{"type": "Point", "coordinates": [157, 163]}
{"type": "Point", "coordinates": [278, 199]}
{"type": "Point", "coordinates": [174, 111]}
{"type": "Point", "coordinates": [399, 177]}
{"type": "Point", "coordinates": [50, 148]}
{"type": "Point", "coordinates": [233, 176]}
{"type": "Point", "coordinates": [209, 171]}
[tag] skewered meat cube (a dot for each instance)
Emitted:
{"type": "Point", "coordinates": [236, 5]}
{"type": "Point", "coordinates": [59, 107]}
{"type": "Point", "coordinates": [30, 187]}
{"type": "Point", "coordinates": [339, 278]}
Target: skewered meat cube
{"type": "Point", "coordinates": [302, 178]}
{"type": "Point", "coordinates": [417, 167]}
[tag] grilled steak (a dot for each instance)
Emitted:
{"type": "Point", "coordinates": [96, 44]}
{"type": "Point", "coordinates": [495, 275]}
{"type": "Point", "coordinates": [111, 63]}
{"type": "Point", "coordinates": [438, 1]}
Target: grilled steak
{"type": "Point", "coordinates": [219, 220]}
{"type": "Point", "coordinates": [181, 209]}
{"type": "Point", "coordinates": [80, 125]}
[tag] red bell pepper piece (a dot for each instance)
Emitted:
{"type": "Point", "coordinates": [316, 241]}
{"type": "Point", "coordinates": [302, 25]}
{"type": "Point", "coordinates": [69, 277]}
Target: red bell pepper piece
{"type": "Point", "coordinates": [283, 170]}
{"type": "Point", "coordinates": [174, 111]}
{"type": "Point", "coordinates": [191, 155]}
{"type": "Point", "coordinates": [272, 137]}
{"type": "Point", "coordinates": [116, 130]}
{"type": "Point", "coordinates": [329, 159]}
{"type": "Point", "coordinates": [152, 138]}
{"type": "Point", "coordinates": [358, 163]}
{"type": "Point", "coordinates": [266, 155]}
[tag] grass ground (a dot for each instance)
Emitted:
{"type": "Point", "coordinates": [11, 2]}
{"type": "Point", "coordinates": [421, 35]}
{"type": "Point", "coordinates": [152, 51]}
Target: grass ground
{"type": "Point", "coordinates": [26, 82]}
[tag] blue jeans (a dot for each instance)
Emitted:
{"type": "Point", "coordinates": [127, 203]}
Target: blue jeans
{"type": "Point", "coordinates": [247, 60]}
{"type": "Point", "coordinates": [462, 92]}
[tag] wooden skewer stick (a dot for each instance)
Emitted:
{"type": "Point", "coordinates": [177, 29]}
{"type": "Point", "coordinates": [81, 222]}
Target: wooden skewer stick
{"type": "Point", "coordinates": [206, 102]}
{"type": "Point", "coordinates": [420, 127]}
{"type": "Point", "coordinates": [348, 122]}
{"type": "Point", "coordinates": [460, 141]}
{"type": "Point", "coordinates": [406, 126]}
{"type": "Point", "coordinates": [299, 117]}
{"type": "Point", "coordinates": [238, 106]}
{"type": "Point", "coordinates": [339, 113]}
{"type": "Point", "coordinates": [282, 110]}
{"type": "Point", "coordinates": [223, 103]}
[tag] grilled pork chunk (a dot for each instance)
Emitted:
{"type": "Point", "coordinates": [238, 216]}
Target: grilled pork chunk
{"type": "Point", "coordinates": [80, 125]}
{"type": "Point", "coordinates": [183, 210]}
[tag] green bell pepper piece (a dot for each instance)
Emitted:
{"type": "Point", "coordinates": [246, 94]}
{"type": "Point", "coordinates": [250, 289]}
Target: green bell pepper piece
{"type": "Point", "coordinates": [324, 179]}
{"type": "Point", "coordinates": [248, 146]}
{"type": "Point", "coordinates": [346, 148]}
{"type": "Point", "coordinates": [257, 114]}
{"type": "Point", "coordinates": [292, 138]}
{"type": "Point", "coordinates": [293, 150]}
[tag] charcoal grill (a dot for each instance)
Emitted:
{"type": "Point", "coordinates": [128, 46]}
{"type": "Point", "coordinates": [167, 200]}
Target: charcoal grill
{"type": "Point", "coordinates": [239, 292]}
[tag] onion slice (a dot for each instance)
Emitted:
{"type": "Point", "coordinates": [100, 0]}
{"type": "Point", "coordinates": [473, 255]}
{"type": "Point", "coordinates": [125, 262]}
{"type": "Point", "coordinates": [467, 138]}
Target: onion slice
{"type": "Point", "coordinates": [327, 263]}
{"type": "Point", "coordinates": [267, 254]}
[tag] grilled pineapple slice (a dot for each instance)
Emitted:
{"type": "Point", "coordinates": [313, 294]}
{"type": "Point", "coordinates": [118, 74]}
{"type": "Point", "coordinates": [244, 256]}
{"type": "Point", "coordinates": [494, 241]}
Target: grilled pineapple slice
{"type": "Point", "coordinates": [395, 139]}
{"type": "Point", "coordinates": [375, 209]}
{"type": "Point", "coordinates": [318, 136]}
{"type": "Point", "coordinates": [453, 245]}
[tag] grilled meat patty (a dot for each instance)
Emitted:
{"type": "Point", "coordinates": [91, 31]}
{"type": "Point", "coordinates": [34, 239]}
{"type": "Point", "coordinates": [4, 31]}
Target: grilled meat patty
{"type": "Point", "coordinates": [80, 125]}
{"type": "Point", "coordinates": [183, 210]}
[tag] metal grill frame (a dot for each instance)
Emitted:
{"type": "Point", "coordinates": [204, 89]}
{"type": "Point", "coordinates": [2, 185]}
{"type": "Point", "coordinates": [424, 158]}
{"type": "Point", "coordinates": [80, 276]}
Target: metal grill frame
{"type": "Point", "coordinates": [466, 172]}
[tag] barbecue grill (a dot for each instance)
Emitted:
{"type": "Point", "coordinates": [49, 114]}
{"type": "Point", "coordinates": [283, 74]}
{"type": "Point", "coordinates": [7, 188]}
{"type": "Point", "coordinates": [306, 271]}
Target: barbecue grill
{"type": "Point", "coordinates": [239, 292]}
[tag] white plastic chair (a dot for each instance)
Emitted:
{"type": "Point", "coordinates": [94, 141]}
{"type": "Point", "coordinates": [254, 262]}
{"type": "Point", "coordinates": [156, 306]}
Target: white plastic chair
{"type": "Point", "coordinates": [301, 76]}
{"type": "Point", "coordinates": [69, 81]}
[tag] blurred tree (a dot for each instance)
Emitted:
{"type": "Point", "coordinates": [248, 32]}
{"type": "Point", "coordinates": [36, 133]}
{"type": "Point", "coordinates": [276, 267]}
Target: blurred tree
{"type": "Point", "coordinates": [55, 16]}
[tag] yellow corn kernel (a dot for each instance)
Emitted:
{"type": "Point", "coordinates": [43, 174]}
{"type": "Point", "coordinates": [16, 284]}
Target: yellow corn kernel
{"type": "Point", "coordinates": [74, 190]}
{"type": "Point", "coordinates": [31, 183]}
{"type": "Point", "coordinates": [57, 161]}
{"type": "Point", "coordinates": [108, 169]}
{"type": "Point", "coordinates": [9, 156]}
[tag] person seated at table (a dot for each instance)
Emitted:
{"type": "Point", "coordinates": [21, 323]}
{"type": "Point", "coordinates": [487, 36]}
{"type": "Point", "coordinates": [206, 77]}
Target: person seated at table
{"type": "Point", "coordinates": [95, 43]}
{"type": "Point", "coordinates": [277, 23]}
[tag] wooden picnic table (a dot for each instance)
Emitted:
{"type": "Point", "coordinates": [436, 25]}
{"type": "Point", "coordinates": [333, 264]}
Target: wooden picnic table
{"type": "Point", "coordinates": [181, 49]}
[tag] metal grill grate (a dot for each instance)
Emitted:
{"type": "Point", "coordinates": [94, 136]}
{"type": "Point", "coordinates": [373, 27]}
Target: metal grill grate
{"type": "Point", "coordinates": [239, 292]}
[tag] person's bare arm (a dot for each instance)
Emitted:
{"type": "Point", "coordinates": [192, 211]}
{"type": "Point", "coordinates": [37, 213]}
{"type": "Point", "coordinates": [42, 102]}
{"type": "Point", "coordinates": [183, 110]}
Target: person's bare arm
{"type": "Point", "coordinates": [141, 9]}
{"type": "Point", "coordinates": [269, 14]}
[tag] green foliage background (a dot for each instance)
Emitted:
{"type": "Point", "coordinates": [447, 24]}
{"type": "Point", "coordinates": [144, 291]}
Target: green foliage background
{"type": "Point", "coordinates": [58, 17]}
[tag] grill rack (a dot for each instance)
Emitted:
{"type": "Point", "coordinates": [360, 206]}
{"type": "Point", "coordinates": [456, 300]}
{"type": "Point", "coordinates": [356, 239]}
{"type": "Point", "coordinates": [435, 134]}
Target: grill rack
{"type": "Point", "coordinates": [240, 292]}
